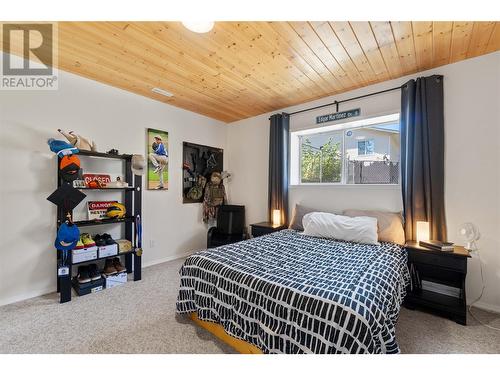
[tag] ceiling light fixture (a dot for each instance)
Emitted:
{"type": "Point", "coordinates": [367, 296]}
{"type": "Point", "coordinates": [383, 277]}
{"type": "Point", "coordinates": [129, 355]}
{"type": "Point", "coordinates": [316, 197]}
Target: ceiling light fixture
{"type": "Point", "coordinates": [199, 26]}
{"type": "Point", "coordinates": [157, 90]}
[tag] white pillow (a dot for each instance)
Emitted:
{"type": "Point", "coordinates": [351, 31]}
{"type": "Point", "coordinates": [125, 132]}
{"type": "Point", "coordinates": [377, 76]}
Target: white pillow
{"type": "Point", "coordinates": [362, 229]}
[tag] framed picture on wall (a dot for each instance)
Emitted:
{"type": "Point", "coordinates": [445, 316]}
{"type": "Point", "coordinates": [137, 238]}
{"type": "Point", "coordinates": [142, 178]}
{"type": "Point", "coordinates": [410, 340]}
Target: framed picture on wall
{"type": "Point", "coordinates": [198, 163]}
{"type": "Point", "coordinates": [157, 156]}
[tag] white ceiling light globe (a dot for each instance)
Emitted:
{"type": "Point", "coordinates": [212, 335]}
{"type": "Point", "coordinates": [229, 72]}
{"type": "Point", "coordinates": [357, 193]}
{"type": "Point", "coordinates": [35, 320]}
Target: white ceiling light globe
{"type": "Point", "coordinates": [199, 26]}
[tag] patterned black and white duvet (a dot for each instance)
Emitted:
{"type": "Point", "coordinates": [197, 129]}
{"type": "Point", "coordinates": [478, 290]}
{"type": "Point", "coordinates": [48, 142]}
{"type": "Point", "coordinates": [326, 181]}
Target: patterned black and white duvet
{"type": "Point", "coordinates": [290, 293]}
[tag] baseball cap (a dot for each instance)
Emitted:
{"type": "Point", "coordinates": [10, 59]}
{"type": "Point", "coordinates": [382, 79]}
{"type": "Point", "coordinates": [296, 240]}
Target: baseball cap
{"type": "Point", "coordinates": [67, 237]}
{"type": "Point", "coordinates": [137, 164]}
{"type": "Point", "coordinates": [61, 148]}
{"type": "Point", "coordinates": [69, 167]}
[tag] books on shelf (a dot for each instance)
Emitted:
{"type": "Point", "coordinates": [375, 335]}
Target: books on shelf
{"type": "Point", "coordinates": [437, 245]}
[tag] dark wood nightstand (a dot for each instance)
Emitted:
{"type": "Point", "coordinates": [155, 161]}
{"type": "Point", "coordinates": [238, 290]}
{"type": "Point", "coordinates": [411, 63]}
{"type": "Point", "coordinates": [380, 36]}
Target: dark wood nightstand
{"type": "Point", "coordinates": [448, 269]}
{"type": "Point", "coordinates": [265, 227]}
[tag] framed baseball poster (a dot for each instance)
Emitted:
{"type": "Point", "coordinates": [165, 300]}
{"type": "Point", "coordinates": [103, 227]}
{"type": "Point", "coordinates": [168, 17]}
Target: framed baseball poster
{"type": "Point", "coordinates": [157, 156]}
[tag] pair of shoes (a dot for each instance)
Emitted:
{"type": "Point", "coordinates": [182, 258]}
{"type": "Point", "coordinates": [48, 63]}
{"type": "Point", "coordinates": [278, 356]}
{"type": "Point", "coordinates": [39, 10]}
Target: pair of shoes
{"type": "Point", "coordinates": [104, 239]}
{"type": "Point", "coordinates": [88, 273]}
{"type": "Point", "coordinates": [85, 241]}
{"type": "Point", "coordinates": [113, 266]}
{"type": "Point", "coordinates": [79, 244]}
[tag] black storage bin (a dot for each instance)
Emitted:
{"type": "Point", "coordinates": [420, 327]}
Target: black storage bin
{"type": "Point", "coordinates": [90, 287]}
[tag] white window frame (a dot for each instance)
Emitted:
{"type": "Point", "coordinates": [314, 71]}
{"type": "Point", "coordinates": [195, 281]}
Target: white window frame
{"type": "Point", "coordinates": [296, 150]}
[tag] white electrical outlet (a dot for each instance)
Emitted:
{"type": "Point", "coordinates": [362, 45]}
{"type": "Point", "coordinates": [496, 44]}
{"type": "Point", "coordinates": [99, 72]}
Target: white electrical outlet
{"type": "Point", "coordinates": [151, 243]}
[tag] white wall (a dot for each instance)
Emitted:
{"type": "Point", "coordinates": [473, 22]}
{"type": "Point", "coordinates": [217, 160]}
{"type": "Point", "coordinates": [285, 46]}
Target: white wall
{"type": "Point", "coordinates": [472, 144]}
{"type": "Point", "coordinates": [115, 119]}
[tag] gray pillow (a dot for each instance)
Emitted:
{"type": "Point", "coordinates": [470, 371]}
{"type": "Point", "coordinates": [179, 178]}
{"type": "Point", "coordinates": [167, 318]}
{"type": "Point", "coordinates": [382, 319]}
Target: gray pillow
{"type": "Point", "coordinates": [390, 224]}
{"type": "Point", "coordinates": [298, 213]}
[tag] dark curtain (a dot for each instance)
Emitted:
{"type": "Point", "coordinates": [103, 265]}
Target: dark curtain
{"type": "Point", "coordinates": [278, 165]}
{"type": "Point", "coordinates": [422, 156]}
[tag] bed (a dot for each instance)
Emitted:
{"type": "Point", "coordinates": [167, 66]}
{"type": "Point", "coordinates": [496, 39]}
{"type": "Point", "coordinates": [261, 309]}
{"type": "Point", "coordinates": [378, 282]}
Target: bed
{"type": "Point", "coordinates": [291, 293]}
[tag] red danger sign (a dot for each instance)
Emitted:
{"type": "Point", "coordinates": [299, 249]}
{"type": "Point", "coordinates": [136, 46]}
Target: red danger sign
{"type": "Point", "coordinates": [97, 209]}
{"type": "Point", "coordinates": [100, 205]}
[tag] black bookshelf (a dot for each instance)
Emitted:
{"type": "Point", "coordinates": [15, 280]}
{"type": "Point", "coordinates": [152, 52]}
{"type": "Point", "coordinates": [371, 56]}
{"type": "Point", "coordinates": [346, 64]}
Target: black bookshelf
{"type": "Point", "coordinates": [132, 199]}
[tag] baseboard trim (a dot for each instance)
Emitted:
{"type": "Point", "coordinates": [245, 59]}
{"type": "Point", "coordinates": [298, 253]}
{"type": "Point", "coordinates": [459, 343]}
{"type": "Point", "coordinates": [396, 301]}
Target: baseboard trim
{"type": "Point", "coordinates": [166, 259]}
{"type": "Point", "coordinates": [25, 296]}
{"type": "Point", "coordinates": [487, 307]}
{"type": "Point", "coordinates": [41, 292]}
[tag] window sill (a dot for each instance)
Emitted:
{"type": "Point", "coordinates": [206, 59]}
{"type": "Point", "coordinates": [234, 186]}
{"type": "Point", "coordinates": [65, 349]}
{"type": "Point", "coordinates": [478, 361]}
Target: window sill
{"type": "Point", "coordinates": [349, 186]}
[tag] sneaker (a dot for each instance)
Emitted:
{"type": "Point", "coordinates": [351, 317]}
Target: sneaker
{"type": "Point", "coordinates": [94, 273]}
{"type": "Point", "coordinates": [99, 241]}
{"type": "Point", "coordinates": [118, 265]}
{"type": "Point", "coordinates": [109, 268]}
{"type": "Point", "coordinates": [79, 244]}
{"type": "Point", "coordinates": [109, 240]}
{"type": "Point", "coordinates": [83, 275]}
{"type": "Point", "coordinates": [87, 240]}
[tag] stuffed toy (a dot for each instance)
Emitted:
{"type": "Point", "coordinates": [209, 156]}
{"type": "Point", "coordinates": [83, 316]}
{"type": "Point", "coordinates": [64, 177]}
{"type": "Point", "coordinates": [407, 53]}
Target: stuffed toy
{"type": "Point", "coordinates": [78, 141]}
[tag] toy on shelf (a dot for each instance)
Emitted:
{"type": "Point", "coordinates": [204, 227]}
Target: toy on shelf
{"type": "Point", "coordinates": [116, 184]}
{"type": "Point", "coordinates": [79, 141]}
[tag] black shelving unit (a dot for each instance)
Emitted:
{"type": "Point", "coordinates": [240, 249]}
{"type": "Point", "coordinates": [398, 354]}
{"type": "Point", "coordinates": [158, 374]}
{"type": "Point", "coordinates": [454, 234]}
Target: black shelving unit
{"type": "Point", "coordinates": [133, 204]}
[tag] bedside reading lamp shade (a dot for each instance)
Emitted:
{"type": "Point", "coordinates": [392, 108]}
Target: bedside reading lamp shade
{"type": "Point", "coordinates": [422, 231]}
{"type": "Point", "coordinates": [277, 217]}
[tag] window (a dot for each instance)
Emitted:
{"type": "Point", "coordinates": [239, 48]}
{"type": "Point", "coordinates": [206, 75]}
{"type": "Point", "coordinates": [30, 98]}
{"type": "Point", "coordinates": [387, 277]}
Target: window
{"type": "Point", "coordinates": [366, 147]}
{"type": "Point", "coordinates": [359, 152]}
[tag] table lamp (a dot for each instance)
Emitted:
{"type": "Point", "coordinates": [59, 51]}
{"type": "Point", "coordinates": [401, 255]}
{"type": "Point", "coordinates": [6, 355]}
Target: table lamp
{"type": "Point", "coordinates": [277, 217]}
{"type": "Point", "coordinates": [422, 231]}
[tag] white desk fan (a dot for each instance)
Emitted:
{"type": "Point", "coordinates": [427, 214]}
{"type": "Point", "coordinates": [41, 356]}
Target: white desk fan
{"type": "Point", "coordinates": [471, 234]}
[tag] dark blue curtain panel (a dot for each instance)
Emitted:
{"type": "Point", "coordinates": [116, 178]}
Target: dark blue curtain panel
{"type": "Point", "coordinates": [422, 156]}
{"type": "Point", "coordinates": [279, 143]}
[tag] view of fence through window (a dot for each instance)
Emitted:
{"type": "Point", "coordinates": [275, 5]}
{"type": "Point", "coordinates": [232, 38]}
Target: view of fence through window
{"type": "Point", "coordinates": [363, 155]}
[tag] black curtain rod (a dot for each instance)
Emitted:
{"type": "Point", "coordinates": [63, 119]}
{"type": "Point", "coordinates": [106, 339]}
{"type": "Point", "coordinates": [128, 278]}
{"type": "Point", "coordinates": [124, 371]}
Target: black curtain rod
{"type": "Point", "coordinates": [345, 100]}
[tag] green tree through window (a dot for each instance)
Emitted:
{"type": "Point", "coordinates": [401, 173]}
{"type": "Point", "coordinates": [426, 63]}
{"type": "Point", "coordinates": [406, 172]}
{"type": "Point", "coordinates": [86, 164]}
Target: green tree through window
{"type": "Point", "coordinates": [321, 164]}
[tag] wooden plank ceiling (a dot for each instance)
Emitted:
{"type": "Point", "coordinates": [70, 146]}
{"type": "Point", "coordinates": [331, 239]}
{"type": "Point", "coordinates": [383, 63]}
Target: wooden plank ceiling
{"type": "Point", "coordinates": [242, 69]}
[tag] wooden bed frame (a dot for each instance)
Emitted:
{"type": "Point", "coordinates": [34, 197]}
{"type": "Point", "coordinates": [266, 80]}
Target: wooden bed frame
{"type": "Point", "coordinates": [217, 330]}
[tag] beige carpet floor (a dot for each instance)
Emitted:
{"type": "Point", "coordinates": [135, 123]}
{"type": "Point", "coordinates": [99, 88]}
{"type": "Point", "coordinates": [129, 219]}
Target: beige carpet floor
{"type": "Point", "coordinates": [140, 318]}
